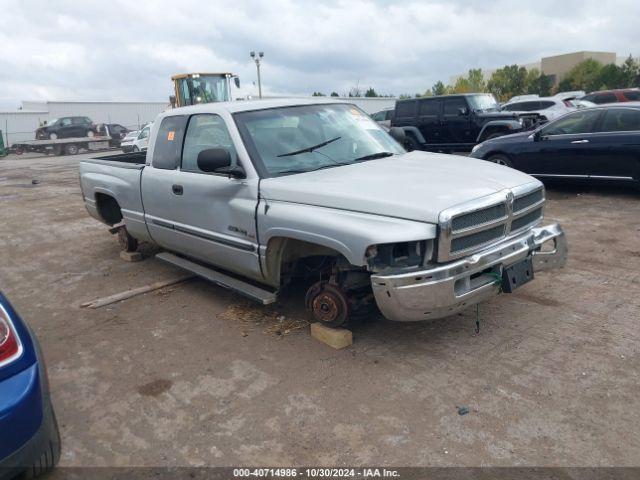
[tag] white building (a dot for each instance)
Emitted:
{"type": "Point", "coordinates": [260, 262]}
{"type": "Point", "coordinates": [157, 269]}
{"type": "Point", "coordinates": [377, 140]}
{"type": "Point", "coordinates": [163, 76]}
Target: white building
{"type": "Point", "coordinates": [20, 125]}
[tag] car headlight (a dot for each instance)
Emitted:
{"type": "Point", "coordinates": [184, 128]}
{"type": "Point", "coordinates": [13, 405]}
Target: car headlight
{"type": "Point", "coordinates": [399, 255]}
{"type": "Point", "coordinates": [476, 147]}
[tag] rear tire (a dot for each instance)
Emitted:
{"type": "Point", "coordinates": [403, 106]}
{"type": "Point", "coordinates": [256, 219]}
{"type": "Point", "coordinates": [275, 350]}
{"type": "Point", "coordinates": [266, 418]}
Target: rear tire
{"type": "Point", "coordinates": [501, 160]}
{"type": "Point", "coordinates": [411, 144]}
{"type": "Point", "coordinates": [71, 149]}
{"type": "Point", "coordinates": [126, 241]}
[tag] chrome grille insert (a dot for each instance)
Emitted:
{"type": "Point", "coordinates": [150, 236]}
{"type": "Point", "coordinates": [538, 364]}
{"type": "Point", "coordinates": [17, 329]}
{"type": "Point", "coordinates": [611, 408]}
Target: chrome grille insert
{"type": "Point", "coordinates": [525, 201]}
{"type": "Point", "coordinates": [470, 227]}
{"type": "Point", "coordinates": [476, 240]}
{"type": "Point", "coordinates": [479, 217]}
{"type": "Point", "coordinates": [526, 219]}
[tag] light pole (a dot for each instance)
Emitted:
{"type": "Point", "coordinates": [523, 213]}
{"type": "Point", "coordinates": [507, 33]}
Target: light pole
{"type": "Point", "coordinates": [257, 60]}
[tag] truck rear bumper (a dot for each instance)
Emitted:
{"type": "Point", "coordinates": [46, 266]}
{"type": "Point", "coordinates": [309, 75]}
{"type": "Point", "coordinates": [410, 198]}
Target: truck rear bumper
{"type": "Point", "coordinates": [445, 290]}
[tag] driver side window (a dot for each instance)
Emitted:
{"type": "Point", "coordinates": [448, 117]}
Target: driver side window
{"type": "Point", "coordinates": [576, 123]}
{"type": "Point", "coordinates": [205, 131]}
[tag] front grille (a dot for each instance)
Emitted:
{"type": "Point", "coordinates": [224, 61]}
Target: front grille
{"type": "Point", "coordinates": [527, 219]}
{"type": "Point", "coordinates": [477, 239]}
{"type": "Point", "coordinates": [527, 200]}
{"type": "Point", "coordinates": [479, 217]}
{"type": "Point", "coordinates": [463, 231]}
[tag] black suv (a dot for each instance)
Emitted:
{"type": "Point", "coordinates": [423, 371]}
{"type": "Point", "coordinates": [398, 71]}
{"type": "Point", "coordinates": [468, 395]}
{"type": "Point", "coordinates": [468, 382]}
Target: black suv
{"type": "Point", "coordinates": [455, 122]}
{"type": "Point", "coordinates": [67, 127]}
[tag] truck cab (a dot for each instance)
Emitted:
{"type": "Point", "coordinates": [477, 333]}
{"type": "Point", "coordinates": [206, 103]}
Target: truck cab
{"type": "Point", "coordinates": [197, 88]}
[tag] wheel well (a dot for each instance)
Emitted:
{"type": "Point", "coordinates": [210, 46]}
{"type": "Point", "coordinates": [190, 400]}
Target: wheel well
{"type": "Point", "coordinates": [496, 152]}
{"type": "Point", "coordinates": [108, 208]}
{"type": "Point", "coordinates": [286, 258]}
{"type": "Point", "coordinates": [493, 129]}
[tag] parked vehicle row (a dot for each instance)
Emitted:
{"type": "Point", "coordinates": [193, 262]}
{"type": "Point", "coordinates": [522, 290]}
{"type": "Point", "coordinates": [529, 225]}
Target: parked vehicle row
{"type": "Point", "coordinates": [256, 195]}
{"type": "Point", "coordinates": [596, 143]}
{"type": "Point", "coordinates": [136, 141]}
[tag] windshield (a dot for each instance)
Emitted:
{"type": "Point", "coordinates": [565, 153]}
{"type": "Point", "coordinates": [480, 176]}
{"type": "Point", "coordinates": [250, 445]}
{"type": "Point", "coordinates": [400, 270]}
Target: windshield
{"type": "Point", "coordinates": [309, 137]}
{"type": "Point", "coordinates": [485, 102]}
{"type": "Point", "coordinates": [204, 89]}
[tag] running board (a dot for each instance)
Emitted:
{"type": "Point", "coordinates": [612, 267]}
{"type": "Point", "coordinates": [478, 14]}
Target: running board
{"type": "Point", "coordinates": [258, 294]}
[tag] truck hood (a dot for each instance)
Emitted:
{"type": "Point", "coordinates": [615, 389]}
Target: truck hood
{"type": "Point", "coordinates": [414, 186]}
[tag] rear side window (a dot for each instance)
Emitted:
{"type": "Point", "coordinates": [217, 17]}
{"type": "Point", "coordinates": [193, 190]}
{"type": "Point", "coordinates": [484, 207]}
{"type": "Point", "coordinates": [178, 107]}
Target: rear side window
{"type": "Point", "coordinates": [205, 131]}
{"type": "Point", "coordinates": [621, 120]}
{"type": "Point", "coordinates": [405, 109]}
{"type": "Point", "coordinates": [546, 104]}
{"type": "Point", "coordinates": [429, 107]}
{"type": "Point", "coordinates": [166, 152]}
{"type": "Point", "coordinates": [632, 95]}
{"type": "Point", "coordinates": [452, 106]}
{"type": "Point", "coordinates": [513, 107]}
{"type": "Point", "coordinates": [604, 98]}
{"type": "Point", "coordinates": [575, 123]}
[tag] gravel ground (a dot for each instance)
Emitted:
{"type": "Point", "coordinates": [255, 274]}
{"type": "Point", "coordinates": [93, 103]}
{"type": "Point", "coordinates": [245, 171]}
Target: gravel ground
{"type": "Point", "coordinates": [195, 375]}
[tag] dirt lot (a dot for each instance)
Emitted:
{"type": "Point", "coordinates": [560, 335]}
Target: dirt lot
{"type": "Point", "coordinates": [195, 375]}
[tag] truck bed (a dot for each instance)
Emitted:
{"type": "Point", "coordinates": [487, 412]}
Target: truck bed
{"type": "Point", "coordinates": [136, 158]}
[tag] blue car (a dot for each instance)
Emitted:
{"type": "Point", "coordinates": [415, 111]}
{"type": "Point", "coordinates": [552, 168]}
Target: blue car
{"type": "Point", "coordinates": [29, 437]}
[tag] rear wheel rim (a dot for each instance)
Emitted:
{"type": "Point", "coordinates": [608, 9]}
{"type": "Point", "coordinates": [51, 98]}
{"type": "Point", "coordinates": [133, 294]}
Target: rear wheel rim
{"type": "Point", "coordinates": [500, 161]}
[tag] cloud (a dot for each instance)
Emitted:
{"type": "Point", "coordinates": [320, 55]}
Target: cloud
{"type": "Point", "coordinates": [123, 50]}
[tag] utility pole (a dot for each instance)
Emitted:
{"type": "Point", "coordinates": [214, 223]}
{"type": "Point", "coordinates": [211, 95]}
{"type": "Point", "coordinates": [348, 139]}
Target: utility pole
{"type": "Point", "coordinates": [257, 59]}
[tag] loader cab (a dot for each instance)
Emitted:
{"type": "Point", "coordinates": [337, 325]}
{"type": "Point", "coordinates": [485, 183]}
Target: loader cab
{"type": "Point", "coordinates": [196, 88]}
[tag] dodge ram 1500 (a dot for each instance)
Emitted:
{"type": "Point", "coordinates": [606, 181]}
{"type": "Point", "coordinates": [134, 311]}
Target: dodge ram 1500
{"type": "Point", "coordinates": [254, 195]}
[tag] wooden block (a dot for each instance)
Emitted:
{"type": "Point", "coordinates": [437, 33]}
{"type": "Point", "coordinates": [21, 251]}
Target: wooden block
{"type": "Point", "coordinates": [131, 256]}
{"type": "Point", "coordinates": [334, 337]}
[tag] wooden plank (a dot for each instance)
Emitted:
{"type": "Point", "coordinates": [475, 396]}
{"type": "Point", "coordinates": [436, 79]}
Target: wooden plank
{"type": "Point", "coordinates": [117, 297]}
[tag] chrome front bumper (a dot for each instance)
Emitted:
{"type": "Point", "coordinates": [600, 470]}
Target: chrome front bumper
{"type": "Point", "coordinates": [446, 289]}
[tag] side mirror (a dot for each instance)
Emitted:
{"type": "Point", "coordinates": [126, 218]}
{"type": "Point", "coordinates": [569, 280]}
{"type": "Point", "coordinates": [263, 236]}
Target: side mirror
{"type": "Point", "coordinates": [537, 136]}
{"type": "Point", "coordinates": [398, 134]}
{"type": "Point", "coordinates": [218, 160]}
{"type": "Point", "coordinates": [463, 111]}
{"type": "Point", "coordinates": [236, 80]}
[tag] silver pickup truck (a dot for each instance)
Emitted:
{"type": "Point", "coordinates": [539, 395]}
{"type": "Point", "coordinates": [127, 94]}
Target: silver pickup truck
{"type": "Point", "coordinates": [256, 196]}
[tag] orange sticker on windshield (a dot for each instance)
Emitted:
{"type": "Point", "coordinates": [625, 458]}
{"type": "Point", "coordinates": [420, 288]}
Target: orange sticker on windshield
{"type": "Point", "coordinates": [354, 111]}
{"type": "Point", "coordinates": [171, 136]}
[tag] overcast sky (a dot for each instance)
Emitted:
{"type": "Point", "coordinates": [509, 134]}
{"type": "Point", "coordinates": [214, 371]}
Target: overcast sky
{"type": "Point", "coordinates": [113, 50]}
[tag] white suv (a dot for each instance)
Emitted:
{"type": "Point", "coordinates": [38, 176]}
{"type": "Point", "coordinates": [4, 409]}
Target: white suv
{"type": "Point", "coordinates": [549, 108]}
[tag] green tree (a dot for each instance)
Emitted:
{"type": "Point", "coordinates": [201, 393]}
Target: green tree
{"type": "Point", "coordinates": [318, 94]}
{"type": "Point", "coordinates": [584, 76]}
{"type": "Point", "coordinates": [461, 86]}
{"type": "Point", "coordinates": [439, 88]}
{"type": "Point", "coordinates": [404, 96]}
{"type": "Point", "coordinates": [371, 93]}
{"type": "Point", "coordinates": [475, 78]}
{"type": "Point", "coordinates": [507, 82]}
{"type": "Point", "coordinates": [334, 94]}
{"type": "Point", "coordinates": [630, 72]}
{"type": "Point", "coordinates": [537, 82]}
{"type": "Point", "coordinates": [611, 76]}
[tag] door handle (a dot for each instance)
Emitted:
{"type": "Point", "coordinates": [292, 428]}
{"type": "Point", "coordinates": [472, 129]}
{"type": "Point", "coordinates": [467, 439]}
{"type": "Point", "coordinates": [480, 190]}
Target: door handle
{"type": "Point", "coordinates": [177, 189]}
{"type": "Point", "coordinates": [580, 141]}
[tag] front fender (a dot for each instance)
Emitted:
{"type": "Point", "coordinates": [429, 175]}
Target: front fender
{"type": "Point", "coordinates": [415, 132]}
{"type": "Point", "coordinates": [347, 232]}
{"type": "Point", "coordinates": [511, 125]}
